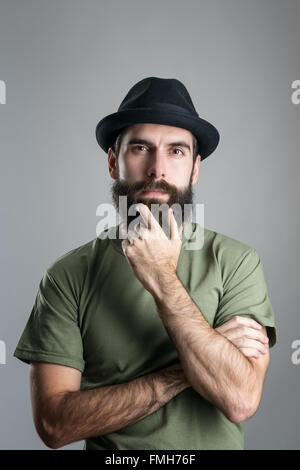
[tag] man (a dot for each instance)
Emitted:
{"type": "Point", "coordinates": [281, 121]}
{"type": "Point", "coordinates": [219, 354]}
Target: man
{"type": "Point", "coordinates": [136, 341]}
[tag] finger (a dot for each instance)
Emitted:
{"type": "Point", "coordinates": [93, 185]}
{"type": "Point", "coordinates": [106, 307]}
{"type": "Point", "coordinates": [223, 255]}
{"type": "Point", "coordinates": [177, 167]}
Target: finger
{"type": "Point", "coordinates": [135, 232]}
{"type": "Point", "coordinates": [125, 244]}
{"type": "Point", "coordinates": [247, 321]}
{"type": "Point", "coordinates": [250, 352]}
{"type": "Point", "coordinates": [143, 232]}
{"type": "Point", "coordinates": [246, 332]}
{"type": "Point", "coordinates": [150, 221]}
{"type": "Point", "coordinates": [237, 321]}
{"type": "Point", "coordinates": [127, 234]}
{"type": "Point", "coordinates": [174, 232]}
{"type": "Point", "coordinates": [250, 343]}
{"type": "Point", "coordinates": [131, 236]}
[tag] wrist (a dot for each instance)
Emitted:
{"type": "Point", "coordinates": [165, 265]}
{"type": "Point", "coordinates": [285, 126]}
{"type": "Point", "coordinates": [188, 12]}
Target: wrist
{"type": "Point", "coordinates": [169, 382]}
{"type": "Point", "coordinates": [164, 287]}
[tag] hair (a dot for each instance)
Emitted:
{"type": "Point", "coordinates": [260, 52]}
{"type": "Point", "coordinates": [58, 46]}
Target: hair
{"type": "Point", "coordinates": [117, 144]}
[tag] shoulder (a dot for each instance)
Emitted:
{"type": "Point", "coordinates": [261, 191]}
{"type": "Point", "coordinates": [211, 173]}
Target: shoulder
{"type": "Point", "coordinates": [230, 247]}
{"type": "Point", "coordinates": [229, 253]}
{"type": "Point", "coordinates": [75, 258]}
{"type": "Point", "coordinates": [224, 245]}
{"type": "Point", "coordinates": [69, 270]}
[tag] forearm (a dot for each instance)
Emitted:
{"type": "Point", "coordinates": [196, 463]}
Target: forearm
{"type": "Point", "coordinates": [216, 369]}
{"type": "Point", "coordinates": [86, 413]}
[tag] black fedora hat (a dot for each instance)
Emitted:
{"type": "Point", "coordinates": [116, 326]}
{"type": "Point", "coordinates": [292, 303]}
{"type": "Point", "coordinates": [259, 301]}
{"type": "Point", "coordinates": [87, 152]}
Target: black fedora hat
{"type": "Point", "coordinates": [158, 101]}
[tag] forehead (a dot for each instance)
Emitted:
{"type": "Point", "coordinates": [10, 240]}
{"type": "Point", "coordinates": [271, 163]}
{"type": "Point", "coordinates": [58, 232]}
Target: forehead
{"type": "Point", "coordinates": [159, 132]}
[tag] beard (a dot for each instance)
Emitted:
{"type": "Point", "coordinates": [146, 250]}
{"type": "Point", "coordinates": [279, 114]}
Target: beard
{"type": "Point", "coordinates": [182, 199]}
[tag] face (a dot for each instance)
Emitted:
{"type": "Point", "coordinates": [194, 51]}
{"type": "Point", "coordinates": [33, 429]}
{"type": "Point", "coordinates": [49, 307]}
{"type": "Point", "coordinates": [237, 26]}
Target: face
{"type": "Point", "coordinates": [154, 166]}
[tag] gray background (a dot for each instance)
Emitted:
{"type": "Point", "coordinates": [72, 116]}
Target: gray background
{"type": "Point", "coordinates": [67, 64]}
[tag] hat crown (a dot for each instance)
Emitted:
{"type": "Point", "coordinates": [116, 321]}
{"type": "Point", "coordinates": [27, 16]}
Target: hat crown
{"type": "Point", "coordinates": [154, 92]}
{"type": "Point", "coordinates": [163, 101]}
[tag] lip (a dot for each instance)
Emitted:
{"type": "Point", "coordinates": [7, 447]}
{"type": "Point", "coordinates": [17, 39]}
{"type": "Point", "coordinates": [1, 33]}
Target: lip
{"type": "Point", "coordinates": [154, 191]}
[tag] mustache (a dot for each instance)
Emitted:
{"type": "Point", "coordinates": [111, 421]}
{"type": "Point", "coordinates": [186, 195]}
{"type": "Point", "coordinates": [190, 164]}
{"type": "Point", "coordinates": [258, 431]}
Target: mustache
{"type": "Point", "coordinates": [148, 186]}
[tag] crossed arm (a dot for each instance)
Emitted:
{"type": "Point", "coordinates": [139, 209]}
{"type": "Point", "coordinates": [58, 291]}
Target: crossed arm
{"type": "Point", "coordinates": [63, 413]}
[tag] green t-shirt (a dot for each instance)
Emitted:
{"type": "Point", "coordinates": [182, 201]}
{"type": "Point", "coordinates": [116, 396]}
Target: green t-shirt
{"type": "Point", "coordinates": [93, 314]}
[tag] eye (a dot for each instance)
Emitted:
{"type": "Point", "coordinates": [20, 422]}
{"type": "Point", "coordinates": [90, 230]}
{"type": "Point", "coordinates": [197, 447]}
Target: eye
{"type": "Point", "coordinates": [179, 151]}
{"type": "Point", "coordinates": [138, 147]}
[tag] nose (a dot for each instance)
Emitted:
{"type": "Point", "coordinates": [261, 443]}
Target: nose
{"type": "Point", "coordinates": [157, 164]}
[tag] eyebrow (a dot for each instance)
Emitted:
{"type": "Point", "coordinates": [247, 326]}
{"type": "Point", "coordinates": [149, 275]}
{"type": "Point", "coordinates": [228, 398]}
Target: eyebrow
{"type": "Point", "coordinates": [171, 144]}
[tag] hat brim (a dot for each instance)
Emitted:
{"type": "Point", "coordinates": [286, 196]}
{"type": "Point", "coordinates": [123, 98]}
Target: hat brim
{"type": "Point", "coordinates": [108, 128]}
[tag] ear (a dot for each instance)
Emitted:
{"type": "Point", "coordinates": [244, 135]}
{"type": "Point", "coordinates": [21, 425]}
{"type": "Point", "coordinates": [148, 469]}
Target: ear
{"type": "Point", "coordinates": [196, 170]}
{"type": "Point", "coordinates": [112, 163]}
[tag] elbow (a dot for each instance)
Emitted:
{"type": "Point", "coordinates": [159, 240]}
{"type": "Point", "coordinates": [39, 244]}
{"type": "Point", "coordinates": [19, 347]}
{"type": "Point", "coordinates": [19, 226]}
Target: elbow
{"type": "Point", "coordinates": [48, 435]}
{"type": "Point", "coordinates": [239, 414]}
{"type": "Point", "coordinates": [52, 443]}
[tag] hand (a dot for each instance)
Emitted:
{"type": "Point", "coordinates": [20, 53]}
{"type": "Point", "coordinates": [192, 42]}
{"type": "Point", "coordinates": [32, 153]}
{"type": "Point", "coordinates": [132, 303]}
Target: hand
{"type": "Point", "coordinates": [152, 255]}
{"type": "Point", "coordinates": [245, 335]}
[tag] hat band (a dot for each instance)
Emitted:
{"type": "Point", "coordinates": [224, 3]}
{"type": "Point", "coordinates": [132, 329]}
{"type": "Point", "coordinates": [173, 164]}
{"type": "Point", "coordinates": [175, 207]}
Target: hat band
{"type": "Point", "coordinates": [164, 107]}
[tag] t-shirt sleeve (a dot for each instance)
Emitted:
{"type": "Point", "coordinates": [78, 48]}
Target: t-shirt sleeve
{"type": "Point", "coordinates": [52, 332]}
{"type": "Point", "coordinates": [245, 294]}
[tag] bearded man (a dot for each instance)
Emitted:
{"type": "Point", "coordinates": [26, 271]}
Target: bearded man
{"type": "Point", "coordinates": [137, 341]}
